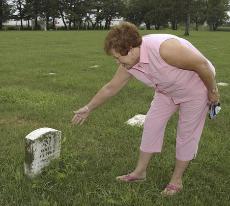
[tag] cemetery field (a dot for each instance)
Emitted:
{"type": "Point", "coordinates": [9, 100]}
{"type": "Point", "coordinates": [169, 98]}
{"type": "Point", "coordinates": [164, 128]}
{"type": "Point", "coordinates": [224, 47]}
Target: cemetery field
{"type": "Point", "coordinates": [45, 76]}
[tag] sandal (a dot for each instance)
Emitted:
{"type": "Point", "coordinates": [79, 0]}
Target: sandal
{"type": "Point", "coordinates": [171, 189]}
{"type": "Point", "coordinates": [129, 178]}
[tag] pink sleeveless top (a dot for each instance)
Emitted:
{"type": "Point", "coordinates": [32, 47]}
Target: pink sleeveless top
{"type": "Point", "coordinates": [181, 85]}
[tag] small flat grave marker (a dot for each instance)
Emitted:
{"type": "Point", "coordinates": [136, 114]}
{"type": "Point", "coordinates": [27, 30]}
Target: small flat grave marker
{"type": "Point", "coordinates": [137, 120]}
{"type": "Point", "coordinates": [222, 84]}
{"type": "Point", "coordinates": [42, 146]}
{"type": "Point", "coordinates": [94, 66]}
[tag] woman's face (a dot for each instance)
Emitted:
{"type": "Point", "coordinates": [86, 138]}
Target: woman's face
{"type": "Point", "coordinates": [128, 61]}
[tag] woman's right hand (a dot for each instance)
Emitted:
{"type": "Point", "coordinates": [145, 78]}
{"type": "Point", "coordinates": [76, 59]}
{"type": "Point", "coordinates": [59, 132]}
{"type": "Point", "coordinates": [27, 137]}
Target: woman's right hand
{"type": "Point", "coordinates": [214, 96]}
{"type": "Point", "coordinates": [80, 115]}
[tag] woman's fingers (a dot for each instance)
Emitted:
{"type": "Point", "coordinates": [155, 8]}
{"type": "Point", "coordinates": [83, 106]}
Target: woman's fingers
{"type": "Point", "coordinates": [80, 115]}
{"type": "Point", "coordinates": [213, 96]}
{"type": "Point", "coordinates": [82, 121]}
{"type": "Point", "coordinates": [78, 118]}
{"type": "Point", "coordinates": [75, 117]}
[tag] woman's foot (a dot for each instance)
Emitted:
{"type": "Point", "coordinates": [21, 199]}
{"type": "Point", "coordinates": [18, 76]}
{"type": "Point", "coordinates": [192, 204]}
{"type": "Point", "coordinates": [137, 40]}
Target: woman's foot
{"type": "Point", "coordinates": [172, 189]}
{"type": "Point", "coordinates": [132, 177]}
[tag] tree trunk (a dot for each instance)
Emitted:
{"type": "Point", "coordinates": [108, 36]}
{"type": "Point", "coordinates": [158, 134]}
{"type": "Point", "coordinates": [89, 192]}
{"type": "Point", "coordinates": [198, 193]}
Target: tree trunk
{"type": "Point", "coordinates": [53, 22]}
{"type": "Point", "coordinates": [36, 23]}
{"type": "Point", "coordinates": [28, 23]}
{"type": "Point", "coordinates": [210, 27]}
{"type": "Point", "coordinates": [47, 21]}
{"type": "Point", "coordinates": [20, 14]}
{"type": "Point", "coordinates": [94, 25]}
{"type": "Point", "coordinates": [36, 12]}
{"type": "Point", "coordinates": [187, 25]}
{"type": "Point", "coordinates": [174, 24]}
{"type": "Point", "coordinates": [148, 26]}
{"type": "Point", "coordinates": [81, 25]}
{"type": "Point", "coordinates": [70, 22]}
{"type": "Point", "coordinates": [88, 25]}
{"type": "Point", "coordinates": [108, 22]}
{"type": "Point", "coordinates": [215, 26]}
{"type": "Point", "coordinates": [187, 19]}
{"type": "Point", "coordinates": [21, 22]}
{"type": "Point", "coordinates": [196, 24]}
{"type": "Point", "coordinates": [63, 19]}
{"type": "Point", "coordinates": [157, 26]}
{"type": "Point", "coordinates": [1, 14]}
{"type": "Point", "coordinates": [74, 23]}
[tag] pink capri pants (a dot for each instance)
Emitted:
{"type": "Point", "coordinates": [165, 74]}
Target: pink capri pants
{"type": "Point", "coordinates": [192, 115]}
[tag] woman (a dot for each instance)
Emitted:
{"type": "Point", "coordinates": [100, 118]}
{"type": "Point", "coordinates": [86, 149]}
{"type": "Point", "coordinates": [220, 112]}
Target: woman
{"type": "Point", "coordinates": [183, 80]}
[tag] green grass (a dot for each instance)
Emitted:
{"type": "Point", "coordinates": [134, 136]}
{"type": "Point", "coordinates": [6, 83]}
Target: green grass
{"type": "Point", "coordinates": [95, 153]}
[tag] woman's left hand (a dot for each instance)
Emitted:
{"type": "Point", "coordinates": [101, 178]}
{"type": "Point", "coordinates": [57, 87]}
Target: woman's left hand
{"type": "Point", "coordinates": [213, 96]}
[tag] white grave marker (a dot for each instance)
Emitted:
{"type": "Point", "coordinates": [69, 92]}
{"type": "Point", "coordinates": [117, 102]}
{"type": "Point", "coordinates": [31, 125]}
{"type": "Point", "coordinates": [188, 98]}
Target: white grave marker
{"type": "Point", "coordinates": [94, 66]}
{"type": "Point", "coordinates": [42, 146]}
{"type": "Point", "coordinates": [222, 84]}
{"type": "Point", "coordinates": [137, 120]}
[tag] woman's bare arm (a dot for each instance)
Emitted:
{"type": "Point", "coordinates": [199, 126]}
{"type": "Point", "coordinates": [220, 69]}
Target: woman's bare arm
{"type": "Point", "coordinates": [119, 80]}
{"type": "Point", "coordinates": [175, 54]}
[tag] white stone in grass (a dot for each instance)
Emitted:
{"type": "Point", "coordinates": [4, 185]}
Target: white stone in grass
{"type": "Point", "coordinates": [137, 120]}
{"type": "Point", "coordinates": [51, 73]}
{"type": "Point", "coordinates": [222, 84]}
{"type": "Point", "coordinates": [42, 146]}
{"type": "Point", "coordinates": [94, 66]}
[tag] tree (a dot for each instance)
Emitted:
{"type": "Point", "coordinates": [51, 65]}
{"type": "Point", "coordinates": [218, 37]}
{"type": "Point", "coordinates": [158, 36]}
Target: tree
{"type": "Point", "coordinates": [157, 14]}
{"type": "Point", "coordinates": [33, 11]}
{"type": "Point", "coordinates": [216, 13]}
{"type": "Point", "coordinates": [19, 10]}
{"type": "Point", "coordinates": [28, 13]}
{"type": "Point", "coordinates": [1, 13]}
{"type": "Point", "coordinates": [48, 8]}
{"type": "Point", "coordinates": [176, 10]}
{"type": "Point", "coordinates": [187, 16]}
{"type": "Point", "coordinates": [199, 12]}
{"type": "Point", "coordinates": [112, 9]}
{"type": "Point", "coordinates": [62, 6]}
{"type": "Point", "coordinates": [135, 12]}
{"type": "Point", "coordinates": [5, 11]}
{"type": "Point", "coordinates": [74, 11]}
{"type": "Point", "coordinates": [53, 11]}
{"type": "Point", "coordinates": [96, 13]}
{"type": "Point", "coordinates": [79, 12]}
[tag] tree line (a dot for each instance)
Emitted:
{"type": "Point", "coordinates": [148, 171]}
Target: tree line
{"type": "Point", "coordinates": [98, 14]}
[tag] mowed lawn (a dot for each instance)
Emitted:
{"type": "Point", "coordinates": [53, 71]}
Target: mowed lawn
{"type": "Point", "coordinates": [104, 147]}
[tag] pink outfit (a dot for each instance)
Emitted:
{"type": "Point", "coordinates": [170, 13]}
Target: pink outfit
{"type": "Point", "coordinates": [174, 89]}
